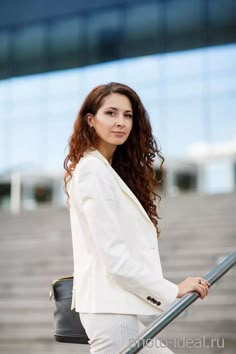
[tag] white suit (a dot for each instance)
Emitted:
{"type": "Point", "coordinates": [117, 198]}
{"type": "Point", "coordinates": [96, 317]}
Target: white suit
{"type": "Point", "coordinates": [117, 266]}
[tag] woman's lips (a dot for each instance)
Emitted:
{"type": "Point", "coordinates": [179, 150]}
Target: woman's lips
{"type": "Point", "coordinates": [118, 134]}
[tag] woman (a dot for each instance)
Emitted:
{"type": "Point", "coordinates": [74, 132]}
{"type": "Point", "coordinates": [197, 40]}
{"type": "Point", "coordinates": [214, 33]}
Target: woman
{"type": "Point", "coordinates": [110, 184]}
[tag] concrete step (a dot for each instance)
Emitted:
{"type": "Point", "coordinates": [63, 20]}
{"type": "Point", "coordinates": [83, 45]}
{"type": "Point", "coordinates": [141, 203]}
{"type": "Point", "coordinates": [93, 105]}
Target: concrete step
{"type": "Point", "coordinates": [176, 343]}
{"type": "Point", "coordinates": [40, 292]}
{"type": "Point", "coordinates": [42, 346]}
{"type": "Point", "coordinates": [180, 327]}
{"type": "Point", "coordinates": [45, 280]}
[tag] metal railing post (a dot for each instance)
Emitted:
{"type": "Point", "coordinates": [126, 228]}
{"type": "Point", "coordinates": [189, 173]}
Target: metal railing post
{"type": "Point", "coordinates": [175, 310]}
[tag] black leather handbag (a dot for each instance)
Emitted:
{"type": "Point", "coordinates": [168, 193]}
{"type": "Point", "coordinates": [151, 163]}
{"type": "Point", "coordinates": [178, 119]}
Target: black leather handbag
{"type": "Point", "coordinates": [67, 326]}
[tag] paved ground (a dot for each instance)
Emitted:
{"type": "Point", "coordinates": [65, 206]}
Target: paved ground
{"type": "Point", "coordinates": [35, 247]}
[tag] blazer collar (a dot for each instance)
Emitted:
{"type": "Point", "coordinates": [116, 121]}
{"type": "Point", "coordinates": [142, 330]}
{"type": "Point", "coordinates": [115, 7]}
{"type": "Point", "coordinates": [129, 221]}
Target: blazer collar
{"type": "Point", "coordinates": [120, 181]}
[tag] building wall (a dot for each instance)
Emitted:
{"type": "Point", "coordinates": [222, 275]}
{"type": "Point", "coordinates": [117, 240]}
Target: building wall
{"type": "Point", "coordinates": [190, 97]}
{"type": "Point", "coordinates": [165, 50]}
{"type": "Point", "coordinates": [42, 36]}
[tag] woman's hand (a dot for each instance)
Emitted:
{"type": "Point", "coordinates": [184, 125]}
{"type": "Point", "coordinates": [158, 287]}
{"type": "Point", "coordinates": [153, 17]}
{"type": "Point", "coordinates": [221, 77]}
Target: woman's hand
{"type": "Point", "coordinates": [193, 284]}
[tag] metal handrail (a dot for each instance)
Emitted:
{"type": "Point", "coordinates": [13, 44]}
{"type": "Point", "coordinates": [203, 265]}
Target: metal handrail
{"type": "Point", "coordinates": [178, 307]}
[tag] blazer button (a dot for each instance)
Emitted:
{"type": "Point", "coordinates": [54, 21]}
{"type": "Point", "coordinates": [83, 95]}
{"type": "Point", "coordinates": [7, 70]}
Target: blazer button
{"type": "Point", "coordinates": [158, 303]}
{"type": "Point", "coordinates": [149, 298]}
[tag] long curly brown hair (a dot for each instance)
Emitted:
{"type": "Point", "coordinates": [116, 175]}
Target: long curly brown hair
{"type": "Point", "coordinates": [133, 160]}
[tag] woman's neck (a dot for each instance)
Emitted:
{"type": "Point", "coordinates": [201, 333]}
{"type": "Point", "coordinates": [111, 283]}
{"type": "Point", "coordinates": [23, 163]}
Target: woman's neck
{"type": "Point", "coordinates": [107, 152]}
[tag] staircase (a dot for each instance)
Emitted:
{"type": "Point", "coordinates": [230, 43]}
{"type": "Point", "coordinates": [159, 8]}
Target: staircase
{"type": "Point", "coordinates": [35, 248]}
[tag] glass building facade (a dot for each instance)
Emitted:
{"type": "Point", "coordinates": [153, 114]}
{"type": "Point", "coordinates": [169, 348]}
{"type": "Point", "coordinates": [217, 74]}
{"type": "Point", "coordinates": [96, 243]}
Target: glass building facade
{"type": "Point", "coordinates": [190, 97]}
{"type": "Point", "coordinates": [178, 55]}
{"type": "Point", "coordinates": [53, 35]}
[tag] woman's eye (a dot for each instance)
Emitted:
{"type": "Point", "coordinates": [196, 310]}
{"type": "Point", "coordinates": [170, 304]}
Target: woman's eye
{"type": "Point", "coordinates": [113, 114]}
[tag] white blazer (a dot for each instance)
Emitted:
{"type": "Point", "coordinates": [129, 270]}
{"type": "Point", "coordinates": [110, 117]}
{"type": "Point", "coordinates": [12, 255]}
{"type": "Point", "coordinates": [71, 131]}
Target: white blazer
{"type": "Point", "coordinates": [117, 266]}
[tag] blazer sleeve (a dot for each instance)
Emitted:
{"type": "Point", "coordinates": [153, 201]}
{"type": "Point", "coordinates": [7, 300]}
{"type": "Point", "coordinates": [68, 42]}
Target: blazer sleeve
{"type": "Point", "coordinates": [99, 205]}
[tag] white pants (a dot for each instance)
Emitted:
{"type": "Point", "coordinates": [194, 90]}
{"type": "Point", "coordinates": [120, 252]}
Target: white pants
{"type": "Point", "coordinates": [110, 333]}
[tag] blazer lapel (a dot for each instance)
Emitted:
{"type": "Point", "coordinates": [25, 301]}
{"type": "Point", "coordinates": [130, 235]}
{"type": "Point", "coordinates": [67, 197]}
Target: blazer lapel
{"type": "Point", "coordinates": [121, 183]}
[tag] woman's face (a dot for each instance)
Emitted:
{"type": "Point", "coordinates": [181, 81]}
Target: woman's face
{"type": "Point", "coordinates": [113, 120]}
